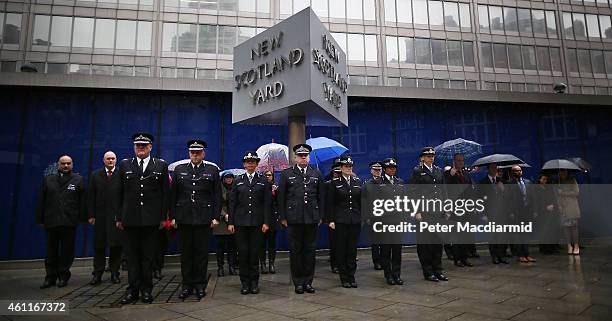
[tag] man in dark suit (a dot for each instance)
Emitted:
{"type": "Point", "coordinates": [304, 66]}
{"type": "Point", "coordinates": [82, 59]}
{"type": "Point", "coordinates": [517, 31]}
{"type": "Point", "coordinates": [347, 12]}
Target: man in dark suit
{"type": "Point", "coordinates": [459, 175]}
{"type": "Point", "coordinates": [520, 207]}
{"type": "Point", "coordinates": [249, 217]}
{"type": "Point", "coordinates": [492, 188]}
{"type": "Point", "coordinates": [144, 204]}
{"type": "Point", "coordinates": [429, 245]}
{"type": "Point", "coordinates": [391, 254]}
{"type": "Point", "coordinates": [344, 217]}
{"type": "Point", "coordinates": [61, 207]}
{"type": "Point", "coordinates": [376, 171]}
{"type": "Point", "coordinates": [103, 196]}
{"type": "Point", "coordinates": [195, 207]}
{"type": "Point", "coordinates": [300, 204]}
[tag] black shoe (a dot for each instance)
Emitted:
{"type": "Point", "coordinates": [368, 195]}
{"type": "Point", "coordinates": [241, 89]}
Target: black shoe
{"type": "Point", "coordinates": [231, 270]}
{"type": "Point", "coordinates": [354, 285]}
{"type": "Point", "coordinates": [299, 289]}
{"type": "Point", "coordinates": [47, 283]}
{"type": "Point", "coordinates": [390, 281]}
{"type": "Point", "coordinates": [346, 285]}
{"type": "Point", "coordinates": [467, 263]}
{"type": "Point", "coordinates": [244, 288]}
{"type": "Point", "coordinates": [334, 269]}
{"type": "Point", "coordinates": [95, 280]}
{"type": "Point", "coordinates": [200, 293]}
{"type": "Point", "coordinates": [156, 274]}
{"type": "Point", "coordinates": [495, 260]}
{"type": "Point", "coordinates": [441, 277]}
{"type": "Point", "coordinates": [309, 289]}
{"type": "Point", "coordinates": [271, 268]}
{"type": "Point", "coordinates": [147, 298]}
{"type": "Point", "coordinates": [220, 271]}
{"type": "Point", "coordinates": [129, 298]}
{"type": "Point", "coordinates": [263, 268]}
{"type": "Point", "coordinates": [187, 291]}
{"type": "Point", "coordinates": [431, 278]}
{"type": "Point", "coordinates": [377, 267]}
{"type": "Point", "coordinates": [254, 287]}
{"type": "Point", "coordinates": [504, 261]}
{"type": "Point", "coordinates": [398, 280]}
{"type": "Point", "coordinates": [115, 279]}
{"type": "Point", "coordinates": [62, 283]}
{"type": "Point", "coordinates": [459, 264]}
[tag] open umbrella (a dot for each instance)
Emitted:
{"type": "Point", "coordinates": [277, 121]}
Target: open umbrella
{"type": "Point", "coordinates": [583, 164]}
{"type": "Point", "coordinates": [273, 156]}
{"type": "Point", "coordinates": [523, 165]}
{"type": "Point", "coordinates": [172, 166]}
{"type": "Point", "coordinates": [324, 149]}
{"type": "Point", "coordinates": [499, 159]}
{"type": "Point", "coordinates": [557, 164]}
{"type": "Point", "coordinates": [465, 147]}
{"type": "Point", "coordinates": [234, 171]}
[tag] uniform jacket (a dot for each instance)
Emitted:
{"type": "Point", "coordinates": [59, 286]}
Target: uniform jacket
{"type": "Point", "coordinates": [196, 197]}
{"type": "Point", "coordinates": [250, 204]}
{"type": "Point", "coordinates": [62, 201]}
{"type": "Point", "coordinates": [301, 197]}
{"type": "Point", "coordinates": [344, 200]}
{"type": "Point", "coordinates": [430, 184]}
{"type": "Point", "coordinates": [144, 196]}
{"type": "Point", "coordinates": [494, 203]}
{"type": "Point", "coordinates": [103, 198]}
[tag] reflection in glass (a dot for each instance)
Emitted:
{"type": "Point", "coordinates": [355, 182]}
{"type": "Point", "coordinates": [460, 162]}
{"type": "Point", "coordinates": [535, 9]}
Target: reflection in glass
{"type": "Point", "coordinates": [510, 19]}
{"type": "Point", "coordinates": [514, 56]}
{"type": "Point", "coordinates": [185, 73]}
{"type": "Point", "coordinates": [597, 60]}
{"type": "Point", "coordinates": [438, 52]}
{"type": "Point", "coordinates": [83, 32]}
{"type": "Point", "coordinates": [486, 54]}
{"type": "Point", "coordinates": [539, 24]}
{"type": "Point", "coordinates": [105, 34]}
{"type": "Point", "coordinates": [207, 41]}
{"type": "Point", "coordinates": [425, 83]}
{"type": "Point", "coordinates": [606, 28]}
{"type": "Point", "coordinates": [1, 24]}
{"type": "Point", "coordinates": [354, 9]}
{"type": "Point", "coordinates": [555, 58]}
{"type": "Point", "coordinates": [568, 28]}
{"type": "Point", "coordinates": [245, 33]}
{"type": "Point", "coordinates": [406, 50]}
{"type": "Point", "coordinates": [529, 58]}
{"type": "Point", "coordinates": [483, 18]}
{"type": "Point", "coordinates": [454, 53]}
{"type": "Point", "coordinates": [263, 6]}
{"type": "Point", "coordinates": [169, 37]}
{"type": "Point", "coordinates": [496, 19]}
{"type": "Point", "coordinates": [543, 58]}
{"type": "Point", "coordinates": [41, 30]}
{"type": "Point", "coordinates": [371, 48]}
{"type": "Point", "coordinates": [228, 5]}
{"type": "Point", "coordinates": [12, 28]}
{"type": "Point", "coordinates": [142, 71]}
{"type": "Point", "coordinates": [422, 49]}
{"type": "Point", "coordinates": [336, 9]}
{"type": "Point", "coordinates": [320, 8]}
{"type": "Point", "coordinates": [101, 69]}
{"type": "Point", "coordinates": [436, 16]}
{"type": "Point", "coordinates": [592, 25]}
{"type": "Point", "coordinates": [244, 6]}
{"type": "Point", "coordinates": [123, 70]}
{"type": "Point", "coordinates": [404, 11]}
{"type": "Point", "coordinates": [608, 59]}
{"type": "Point", "coordinates": [451, 15]}
{"type": "Point", "coordinates": [340, 39]}
{"type": "Point", "coordinates": [144, 35]}
{"type": "Point", "coordinates": [524, 20]}
{"type": "Point", "coordinates": [551, 24]}
{"type": "Point", "coordinates": [61, 28]}
{"type": "Point", "coordinates": [187, 36]}
{"type": "Point", "coordinates": [227, 39]}
{"type": "Point", "coordinates": [468, 53]}
{"type": "Point", "coordinates": [579, 25]}
{"type": "Point", "coordinates": [390, 10]}
{"type": "Point", "coordinates": [420, 11]}
{"type": "Point", "coordinates": [584, 61]}
{"type": "Point", "coordinates": [392, 53]}
{"type": "Point", "coordinates": [355, 48]}
{"type": "Point", "coordinates": [53, 68]}
{"type": "Point", "coordinates": [572, 60]}
{"type": "Point", "coordinates": [126, 35]}
{"type": "Point", "coordinates": [464, 12]}
{"type": "Point", "coordinates": [499, 54]}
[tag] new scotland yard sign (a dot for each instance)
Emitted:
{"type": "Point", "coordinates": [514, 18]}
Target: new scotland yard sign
{"type": "Point", "coordinates": [294, 68]}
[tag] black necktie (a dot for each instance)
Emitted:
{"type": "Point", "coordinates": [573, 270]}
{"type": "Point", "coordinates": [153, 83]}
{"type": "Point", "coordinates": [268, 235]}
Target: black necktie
{"type": "Point", "coordinates": [303, 171]}
{"type": "Point", "coordinates": [141, 165]}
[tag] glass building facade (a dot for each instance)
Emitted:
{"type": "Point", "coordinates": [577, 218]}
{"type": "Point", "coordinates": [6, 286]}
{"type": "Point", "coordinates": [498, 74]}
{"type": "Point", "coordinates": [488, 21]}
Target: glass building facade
{"type": "Point", "coordinates": [421, 72]}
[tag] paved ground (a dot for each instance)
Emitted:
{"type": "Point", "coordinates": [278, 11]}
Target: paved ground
{"type": "Point", "coordinates": [556, 288]}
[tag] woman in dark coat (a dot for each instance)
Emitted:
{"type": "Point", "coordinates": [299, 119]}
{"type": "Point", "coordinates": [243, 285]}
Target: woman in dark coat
{"type": "Point", "coordinates": [269, 238]}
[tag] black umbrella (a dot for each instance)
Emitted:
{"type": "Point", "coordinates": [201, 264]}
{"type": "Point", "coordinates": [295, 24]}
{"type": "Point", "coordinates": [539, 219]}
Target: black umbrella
{"type": "Point", "coordinates": [584, 165]}
{"type": "Point", "coordinates": [558, 164]}
{"type": "Point", "coordinates": [523, 165]}
{"type": "Point", "coordinates": [499, 159]}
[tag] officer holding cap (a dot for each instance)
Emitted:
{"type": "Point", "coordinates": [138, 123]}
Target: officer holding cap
{"type": "Point", "coordinates": [300, 201]}
{"type": "Point", "coordinates": [250, 205]}
{"type": "Point", "coordinates": [144, 205]}
{"type": "Point", "coordinates": [195, 208]}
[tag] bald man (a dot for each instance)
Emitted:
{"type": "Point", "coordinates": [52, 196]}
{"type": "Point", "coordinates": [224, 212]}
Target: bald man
{"type": "Point", "coordinates": [61, 208]}
{"type": "Point", "coordinates": [103, 197]}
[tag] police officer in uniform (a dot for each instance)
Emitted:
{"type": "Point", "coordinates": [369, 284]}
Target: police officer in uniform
{"type": "Point", "coordinates": [331, 233]}
{"type": "Point", "coordinates": [144, 205]}
{"type": "Point", "coordinates": [344, 204]}
{"type": "Point", "coordinates": [300, 201]}
{"type": "Point", "coordinates": [61, 207]}
{"type": "Point", "coordinates": [429, 245]}
{"type": "Point", "coordinates": [195, 208]}
{"type": "Point", "coordinates": [249, 210]}
{"type": "Point", "coordinates": [376, 171]}
{"type": "Point", "coordinates": [391, 254]}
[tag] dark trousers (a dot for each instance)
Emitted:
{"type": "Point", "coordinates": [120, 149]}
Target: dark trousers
{"type": "Point", "coordinates": [391, 259]}
{"type": "Point", "coordinates": [302, 244]}
{"type": "Point", "coordinates": [158, 262]}
{"type": "Point", "coordinates": [248, 239]}
{"type": "Point", "coordinates": [498, 250]}
{"type": "Point", "coordinates": [60, 252]}
{"type": "Point", "coordinates": [114, 259]}
{"type": "Point", "coordinates": [269, 243]}
{"type": "Point", "coordinates": [521, 250]}
{"type": "Point", "coordinates": [142, 247]}
{"type": "Point", "coordinates": [226, 242]}
{"type": "Point", "coordinates": [331, 237]}
{"type": "Point", "coordinates": [347, 236]}
{"type": "Point", "coordinates": [430, 256]}
{"type": "Point", "coordinates": [193, 242]}
{"type": "Point", "coordinates": [376, 253]}
{"type": "Point", "coordinates": [460, 251]}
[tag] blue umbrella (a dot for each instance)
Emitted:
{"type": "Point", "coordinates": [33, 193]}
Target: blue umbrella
{"type": "Point", "coordinates": [235, 171]}
{"type": "Point", "coordinates": [465, 147]}
{"type": "Point", "coordinates": [324, 149]}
